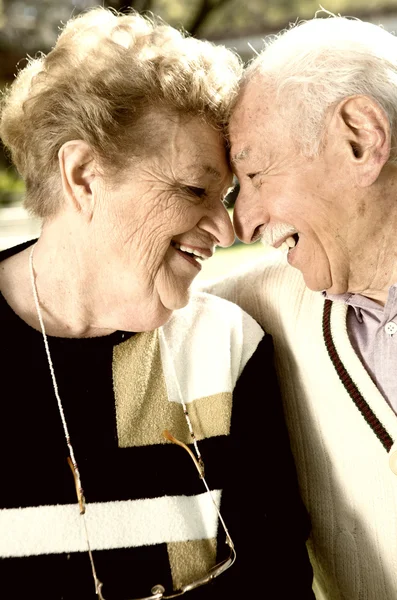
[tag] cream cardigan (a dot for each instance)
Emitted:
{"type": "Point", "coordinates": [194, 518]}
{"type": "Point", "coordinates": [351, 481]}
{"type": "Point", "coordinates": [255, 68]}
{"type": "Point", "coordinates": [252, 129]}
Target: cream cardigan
{"type": "Point", "coordinates": [342, 431]}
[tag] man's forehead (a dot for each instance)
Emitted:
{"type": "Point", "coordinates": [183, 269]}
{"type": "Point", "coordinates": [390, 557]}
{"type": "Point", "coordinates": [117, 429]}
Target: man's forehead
{"type": "Point", "coordinates": [250, 119]}
{"type": "Point", "coordinates": [240, 130]}
{"type": "Point", "coordinates": [256, 96]}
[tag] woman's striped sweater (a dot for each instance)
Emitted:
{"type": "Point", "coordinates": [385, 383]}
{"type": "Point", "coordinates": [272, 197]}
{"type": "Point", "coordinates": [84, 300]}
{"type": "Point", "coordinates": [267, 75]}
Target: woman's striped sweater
{"type": "Point", "coordinates": [148, 517]}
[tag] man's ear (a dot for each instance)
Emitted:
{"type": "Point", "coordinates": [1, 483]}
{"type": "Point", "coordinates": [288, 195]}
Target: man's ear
{"type": "Point", "coordinates": [363, 128]}
{"type": "Point", "coordinates": [77, 167]}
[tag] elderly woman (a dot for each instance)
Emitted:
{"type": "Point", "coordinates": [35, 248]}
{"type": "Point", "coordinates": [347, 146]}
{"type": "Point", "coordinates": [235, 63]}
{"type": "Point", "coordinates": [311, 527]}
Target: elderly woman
{"type": "Point", "coordinates": [113, 404]}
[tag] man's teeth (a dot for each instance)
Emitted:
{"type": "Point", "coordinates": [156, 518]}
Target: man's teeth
{"type": "Point", "coordinates": [189, 250]}
{"type": "Point", "coordinates": [288, 244]}
{"type": "Point", "coordinates": [290, 241]}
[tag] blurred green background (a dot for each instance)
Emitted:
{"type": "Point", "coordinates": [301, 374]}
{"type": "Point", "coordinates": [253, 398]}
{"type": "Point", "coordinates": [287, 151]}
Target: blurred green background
{"type": "Point", "coordinates": [31, 26]}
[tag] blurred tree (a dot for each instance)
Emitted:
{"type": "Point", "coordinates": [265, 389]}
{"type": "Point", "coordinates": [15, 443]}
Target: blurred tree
{"type": "Point", "coordinates": [124, 5]}
{"type": "Point", "coordinates": [203, 12]}
{"type": "Point", "coordinates": [30, 25]}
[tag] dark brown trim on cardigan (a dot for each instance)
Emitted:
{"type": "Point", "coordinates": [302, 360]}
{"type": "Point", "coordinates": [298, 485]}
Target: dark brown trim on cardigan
{"type": "Point", "coordinates": [349, 384]}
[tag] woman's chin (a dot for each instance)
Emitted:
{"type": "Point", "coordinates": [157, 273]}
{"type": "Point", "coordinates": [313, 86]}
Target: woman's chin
{"type": "Point", "coordinates": [154, 313]}
{"type": "Point", "coordinates": [174, 301]}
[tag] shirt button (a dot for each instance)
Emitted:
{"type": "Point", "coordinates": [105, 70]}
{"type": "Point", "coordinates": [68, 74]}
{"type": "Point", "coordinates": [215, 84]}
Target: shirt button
{"type": "Point", "coordinates": [393, 462]}
{"type": "Point", "coordinates": [391, 328]}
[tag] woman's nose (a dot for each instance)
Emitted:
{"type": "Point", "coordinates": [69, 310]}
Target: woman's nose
{"type": "Point", "coordinates": [226, 235]}
{"type": "Point", "coordinates": [219, 224]}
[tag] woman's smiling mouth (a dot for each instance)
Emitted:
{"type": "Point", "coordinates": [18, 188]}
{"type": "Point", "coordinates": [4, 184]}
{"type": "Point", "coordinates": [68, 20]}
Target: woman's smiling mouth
{"type": "Point", "coordinates": [191, 253]}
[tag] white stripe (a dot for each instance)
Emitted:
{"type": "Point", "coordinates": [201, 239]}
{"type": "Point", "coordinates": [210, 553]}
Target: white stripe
{"type": "Point", "coordinates": [55, 529]}
{"type": "Point", "coordinates": [217, 363]}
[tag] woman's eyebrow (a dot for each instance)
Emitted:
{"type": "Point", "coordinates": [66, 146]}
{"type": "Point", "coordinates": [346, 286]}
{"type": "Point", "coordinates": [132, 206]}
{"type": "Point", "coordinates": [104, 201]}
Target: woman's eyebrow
{"type": "Point", "coordinates": [209, 170]}
{"type": "Point", "coordinates": [213, 172]}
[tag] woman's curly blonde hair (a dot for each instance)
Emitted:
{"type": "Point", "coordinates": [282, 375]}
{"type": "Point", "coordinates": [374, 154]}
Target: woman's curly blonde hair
{"type": "Point", "coordinates": [105, 76]}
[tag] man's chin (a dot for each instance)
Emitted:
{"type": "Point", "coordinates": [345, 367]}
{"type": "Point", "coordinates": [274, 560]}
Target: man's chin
{"type": "Point", "coordinates": [336, 289]}
{"type": "Point", "coordinates": [317, 284]}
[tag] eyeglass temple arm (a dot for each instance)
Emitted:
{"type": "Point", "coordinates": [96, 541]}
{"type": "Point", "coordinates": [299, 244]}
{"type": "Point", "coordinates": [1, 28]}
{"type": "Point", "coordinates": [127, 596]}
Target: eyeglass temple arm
{"type": "Point", "coordinates": [199, 465]}
{"type": "Point", "coordinates": [200, 468]}
{"type": "Point", "coordinates": [79, 491]}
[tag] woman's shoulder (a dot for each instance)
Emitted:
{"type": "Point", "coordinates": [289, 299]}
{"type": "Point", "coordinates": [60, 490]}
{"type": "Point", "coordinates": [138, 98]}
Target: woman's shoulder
{"type": "Point", "coordinates": [211, 340]}
{"type": "Point", "coordinates": [215, 332]}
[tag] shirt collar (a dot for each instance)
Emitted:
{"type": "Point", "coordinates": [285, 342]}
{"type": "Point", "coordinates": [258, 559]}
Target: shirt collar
{"type": "Point", "coordinates": [359, 302]}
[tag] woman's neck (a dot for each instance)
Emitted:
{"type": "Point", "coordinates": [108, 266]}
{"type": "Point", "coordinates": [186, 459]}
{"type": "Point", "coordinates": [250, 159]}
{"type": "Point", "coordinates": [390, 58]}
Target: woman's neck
{"type": "Point", "coordinates": [61, 283]}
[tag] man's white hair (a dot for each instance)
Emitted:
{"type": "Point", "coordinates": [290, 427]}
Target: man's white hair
{"type": "Point", "coordinates": [315, 64]}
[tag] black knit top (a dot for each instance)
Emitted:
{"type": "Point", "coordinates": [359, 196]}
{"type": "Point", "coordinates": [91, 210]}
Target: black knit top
{"type": "Point", "coordinates": [132, 491]}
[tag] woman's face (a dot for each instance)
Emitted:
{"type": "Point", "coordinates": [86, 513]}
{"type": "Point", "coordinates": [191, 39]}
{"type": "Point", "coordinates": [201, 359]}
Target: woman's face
{"type": "Point", "coordinates": [160, 221]}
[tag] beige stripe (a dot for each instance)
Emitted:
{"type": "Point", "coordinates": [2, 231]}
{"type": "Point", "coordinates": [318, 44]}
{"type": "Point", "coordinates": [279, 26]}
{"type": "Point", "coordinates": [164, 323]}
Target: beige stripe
{"type": "Point", "coordinates": [191, 560]}
{"type": "Point", "coordinates": [143, 411]}
{"type": "Point", "coordinates": [211, 416]}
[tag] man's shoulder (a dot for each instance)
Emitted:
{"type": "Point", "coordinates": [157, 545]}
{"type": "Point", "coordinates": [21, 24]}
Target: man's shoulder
{"type": "Point", "coordinates": [264, 271]}
{"type": "Point", "coordinates": [266, 289]}
{"type": "Point", "coordinates": [256, 280]}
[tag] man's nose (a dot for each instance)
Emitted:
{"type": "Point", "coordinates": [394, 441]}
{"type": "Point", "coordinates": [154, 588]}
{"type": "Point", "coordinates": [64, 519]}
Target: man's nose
{"type": "Point", "coordinates": [249, 216]}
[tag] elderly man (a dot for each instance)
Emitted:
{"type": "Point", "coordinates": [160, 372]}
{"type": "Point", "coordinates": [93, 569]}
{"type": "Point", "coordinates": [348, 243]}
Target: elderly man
{"type": "Point", "coordinates": [314, 146]}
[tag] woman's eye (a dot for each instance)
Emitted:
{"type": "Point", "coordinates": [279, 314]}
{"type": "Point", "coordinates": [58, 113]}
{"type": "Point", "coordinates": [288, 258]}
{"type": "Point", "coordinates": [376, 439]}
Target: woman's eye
{"type": "Point", "coordinates": [196, 191]}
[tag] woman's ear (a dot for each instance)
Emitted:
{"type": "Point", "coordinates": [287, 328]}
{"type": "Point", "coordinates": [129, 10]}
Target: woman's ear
{"type": "Point", "coordinates": [363, 129]}
{"type": "Point", "coordinates": [77, 167]}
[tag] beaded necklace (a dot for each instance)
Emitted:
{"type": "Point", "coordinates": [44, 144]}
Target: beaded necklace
{"type": "Point", "coordinates": [72, 459]}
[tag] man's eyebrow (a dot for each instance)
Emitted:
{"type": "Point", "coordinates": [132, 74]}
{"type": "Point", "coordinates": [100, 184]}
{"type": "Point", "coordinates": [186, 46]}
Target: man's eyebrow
{"type": "Point", "coordinates": [243, 154]}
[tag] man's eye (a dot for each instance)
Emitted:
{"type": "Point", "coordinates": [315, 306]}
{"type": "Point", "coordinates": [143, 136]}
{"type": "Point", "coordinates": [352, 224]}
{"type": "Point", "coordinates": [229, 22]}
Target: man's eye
{"type": "Point", "coordinates": [196, 191]}
{"type": "Point", "coordinates": [256, 178]}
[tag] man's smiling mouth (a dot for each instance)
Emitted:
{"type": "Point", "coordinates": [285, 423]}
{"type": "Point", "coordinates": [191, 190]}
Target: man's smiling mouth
{"type": "Point", "coordinates": [290, 242]}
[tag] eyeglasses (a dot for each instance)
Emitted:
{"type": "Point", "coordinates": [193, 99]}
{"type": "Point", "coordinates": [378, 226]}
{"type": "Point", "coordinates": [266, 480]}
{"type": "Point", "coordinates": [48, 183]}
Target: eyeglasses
{"type": "Point", "coordinates": [158, 591]}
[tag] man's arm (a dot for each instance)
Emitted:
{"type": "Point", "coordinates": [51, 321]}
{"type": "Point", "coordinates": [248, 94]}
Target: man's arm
{"type": "Point", "coordinates": [268, 521]}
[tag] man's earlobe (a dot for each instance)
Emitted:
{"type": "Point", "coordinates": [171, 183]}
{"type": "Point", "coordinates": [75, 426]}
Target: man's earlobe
{"type": "Point", "coordinates": [366, 133]}
{"type": "Point", "coordinates": [77, 168]}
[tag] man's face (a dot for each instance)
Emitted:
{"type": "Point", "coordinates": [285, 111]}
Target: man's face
{"type": "Point", "coordinates": [285, 196]}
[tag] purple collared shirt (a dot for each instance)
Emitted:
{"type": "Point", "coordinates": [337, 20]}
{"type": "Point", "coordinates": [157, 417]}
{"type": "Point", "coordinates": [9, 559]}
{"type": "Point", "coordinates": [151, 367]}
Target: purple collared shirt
{"type": "Point", "coordinates": [372, 330]}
